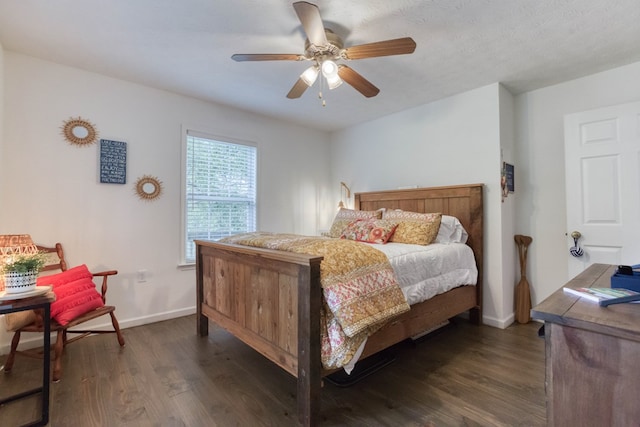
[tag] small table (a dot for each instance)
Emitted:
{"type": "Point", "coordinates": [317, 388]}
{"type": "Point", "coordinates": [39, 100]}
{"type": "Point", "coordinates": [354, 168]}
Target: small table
{"type": "Point", "coordinates": [34, 303]}
{"type": "Point", "coordinates": [592, 375]}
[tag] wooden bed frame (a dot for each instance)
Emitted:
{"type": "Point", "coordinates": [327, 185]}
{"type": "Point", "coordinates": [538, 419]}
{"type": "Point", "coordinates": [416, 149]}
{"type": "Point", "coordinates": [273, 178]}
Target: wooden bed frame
{"type": "Point", "coordinates": [271, 299]}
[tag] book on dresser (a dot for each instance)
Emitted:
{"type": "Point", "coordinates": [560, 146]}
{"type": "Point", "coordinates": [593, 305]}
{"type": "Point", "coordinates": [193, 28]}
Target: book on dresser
{"type": "Point", "coordinates": [605, 296]}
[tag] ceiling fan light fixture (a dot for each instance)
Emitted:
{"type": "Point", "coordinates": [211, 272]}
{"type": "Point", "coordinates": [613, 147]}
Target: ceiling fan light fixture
{"type": "Point", "coordinates": [333, 81]}
{"type": "Point", "coordinates": [329, 69]}
{"type": "Point", "coordinates": [310, 75]}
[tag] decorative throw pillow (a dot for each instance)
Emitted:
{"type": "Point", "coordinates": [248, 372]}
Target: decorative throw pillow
{"type": "Point", "coordinates": [17, 320]}
{"type": "Point", "coordinates": [369, 230]}
{"type": "Point", "coordinates": [413, 227]}
{"type": "Point", "coordinates": [76, 294]}
{"type": "Point", "coordinates": [345, 216]}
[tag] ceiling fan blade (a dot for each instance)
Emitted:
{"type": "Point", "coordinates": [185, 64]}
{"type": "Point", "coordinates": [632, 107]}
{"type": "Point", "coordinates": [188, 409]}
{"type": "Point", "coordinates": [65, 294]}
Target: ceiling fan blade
{"type": "Point", "coordinates": [267, 57]}
{"type": "Point", "coordinates": [384, 48]}
{"type": "Point", "coordinates": [309, 16]}
{"type": "Point", "coordinates": [358, 82]}
{"type": "Point", "coordinates": [297, 90]}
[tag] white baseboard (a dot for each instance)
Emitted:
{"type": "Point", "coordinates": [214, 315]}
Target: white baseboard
{"type": "Point", "coordinates": [158, 317]}
{"type": "Point", "coordinates": [29, 341]}
{"type": "Point", "coordinates": [499, 323]}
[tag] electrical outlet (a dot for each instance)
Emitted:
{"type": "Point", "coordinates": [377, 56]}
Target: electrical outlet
{"type": "Point", "coordinates": [142, 276]}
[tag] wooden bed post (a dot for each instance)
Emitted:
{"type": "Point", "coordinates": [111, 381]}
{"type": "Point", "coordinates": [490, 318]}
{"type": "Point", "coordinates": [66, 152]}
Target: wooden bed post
{"type": "Point", "coordinates": [309, 360]}
{"type": "Point", "coordinates": [202, 322]}
{"type": "Point", "coordinates": [476, 233]}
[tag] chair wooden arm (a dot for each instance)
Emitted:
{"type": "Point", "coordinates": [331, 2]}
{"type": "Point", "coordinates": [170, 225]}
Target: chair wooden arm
{"type": "Point", "coordinates": [105, 275]}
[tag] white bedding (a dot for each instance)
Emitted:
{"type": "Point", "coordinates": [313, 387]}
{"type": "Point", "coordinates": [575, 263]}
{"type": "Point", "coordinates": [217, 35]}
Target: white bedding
{"type": "Point", "coordinates": [426, 271]}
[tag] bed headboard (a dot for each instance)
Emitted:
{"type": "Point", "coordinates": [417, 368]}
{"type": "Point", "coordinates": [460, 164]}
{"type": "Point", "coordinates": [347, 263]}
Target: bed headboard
{"type": "Point", "coordinates": [462, 201]}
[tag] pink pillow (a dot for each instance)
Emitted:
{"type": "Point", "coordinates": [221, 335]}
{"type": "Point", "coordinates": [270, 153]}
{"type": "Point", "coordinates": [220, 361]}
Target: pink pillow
{"type": "Point", "coordinates": [76, 294]}
{"type": "Point", "coordinates": [369, 230]}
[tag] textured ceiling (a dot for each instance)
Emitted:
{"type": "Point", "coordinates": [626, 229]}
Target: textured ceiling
{"type": "Point", "coordinates": [186, 47]}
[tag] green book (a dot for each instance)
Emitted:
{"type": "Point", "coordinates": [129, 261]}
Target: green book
{"type": "Point", "coordinates": [604, 296]}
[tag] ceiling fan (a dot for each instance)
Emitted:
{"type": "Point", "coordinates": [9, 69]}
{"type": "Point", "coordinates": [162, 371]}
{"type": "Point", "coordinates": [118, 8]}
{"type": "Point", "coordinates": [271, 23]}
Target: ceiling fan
{"type": "Point", "coordinates": [323, 48]}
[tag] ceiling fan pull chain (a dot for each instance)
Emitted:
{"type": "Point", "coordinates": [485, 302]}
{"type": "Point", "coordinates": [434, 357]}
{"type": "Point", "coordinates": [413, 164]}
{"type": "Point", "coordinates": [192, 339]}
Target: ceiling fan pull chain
{"type": "Point", "coordinates": [324, 103]}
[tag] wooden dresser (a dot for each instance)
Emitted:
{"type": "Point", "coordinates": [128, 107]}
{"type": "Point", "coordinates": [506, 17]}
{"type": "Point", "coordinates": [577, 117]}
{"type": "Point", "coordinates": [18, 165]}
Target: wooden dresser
{"type": "Point", "coordinates": [592, 356]}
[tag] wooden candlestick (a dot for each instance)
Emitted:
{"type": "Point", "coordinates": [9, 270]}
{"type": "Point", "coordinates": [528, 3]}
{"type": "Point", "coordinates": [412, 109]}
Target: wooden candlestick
{"type": "Point", "coordinates": [523, 294]}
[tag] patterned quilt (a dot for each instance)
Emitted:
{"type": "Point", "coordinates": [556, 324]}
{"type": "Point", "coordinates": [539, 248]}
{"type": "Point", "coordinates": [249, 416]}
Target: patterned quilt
{"type": "Point", "coordinates": [358, 284]}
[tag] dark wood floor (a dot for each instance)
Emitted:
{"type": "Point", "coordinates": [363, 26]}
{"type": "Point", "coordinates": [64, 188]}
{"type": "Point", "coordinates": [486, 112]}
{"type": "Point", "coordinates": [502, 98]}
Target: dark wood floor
{"type": "Point", "coordinates": [168, 376]}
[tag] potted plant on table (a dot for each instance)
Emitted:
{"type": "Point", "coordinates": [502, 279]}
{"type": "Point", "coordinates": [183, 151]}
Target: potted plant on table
{"type": "Point", "coordinates": [21, 271]}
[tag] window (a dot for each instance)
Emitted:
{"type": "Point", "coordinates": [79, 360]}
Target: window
{"type": "Point", "coordinates": [219, 189]}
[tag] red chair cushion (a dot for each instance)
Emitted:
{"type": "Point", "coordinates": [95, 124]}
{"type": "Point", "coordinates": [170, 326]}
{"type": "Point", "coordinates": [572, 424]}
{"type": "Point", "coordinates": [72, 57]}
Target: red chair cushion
{"type": "Point", "coordinates": [76, 294]}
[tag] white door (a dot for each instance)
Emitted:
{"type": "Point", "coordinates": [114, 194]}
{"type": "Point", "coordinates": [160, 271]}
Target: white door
{"type": "Point", "coordinates": [602, 156]}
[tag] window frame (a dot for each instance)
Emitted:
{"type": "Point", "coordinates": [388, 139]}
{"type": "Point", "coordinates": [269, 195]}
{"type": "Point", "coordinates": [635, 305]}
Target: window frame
{"type": "Point", "coordinates": [197, 131]}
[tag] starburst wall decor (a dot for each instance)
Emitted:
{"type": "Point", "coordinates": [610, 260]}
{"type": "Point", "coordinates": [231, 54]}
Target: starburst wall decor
{"type": "Point", "coordinates": [148, 187]}
{"type": "Point", "coordinates": [78, 131]}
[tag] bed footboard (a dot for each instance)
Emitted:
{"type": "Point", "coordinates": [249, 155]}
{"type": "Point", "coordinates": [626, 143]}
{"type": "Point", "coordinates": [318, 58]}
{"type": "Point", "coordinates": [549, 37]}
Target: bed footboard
{"type": "Point", "coordinates": [271, 301]}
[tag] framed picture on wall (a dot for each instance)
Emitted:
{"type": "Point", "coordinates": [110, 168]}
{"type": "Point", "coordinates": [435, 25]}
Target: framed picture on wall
{"type": "Point", "coordinates": [113, 162]}
{"type": "Point", "coordinates": [510, 177]}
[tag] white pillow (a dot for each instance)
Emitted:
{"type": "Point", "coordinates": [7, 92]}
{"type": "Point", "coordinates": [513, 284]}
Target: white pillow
{"type": "Point", "coordinates": [451, 231]}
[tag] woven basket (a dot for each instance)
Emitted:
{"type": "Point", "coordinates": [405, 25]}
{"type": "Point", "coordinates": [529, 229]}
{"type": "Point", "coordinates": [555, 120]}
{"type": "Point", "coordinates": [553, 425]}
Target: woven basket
{"type": "Point", "coordinates": [15, 283]}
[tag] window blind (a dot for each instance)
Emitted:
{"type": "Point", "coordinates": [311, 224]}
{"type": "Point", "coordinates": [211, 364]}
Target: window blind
{"type": "Point", "coordinates": [220, 189]}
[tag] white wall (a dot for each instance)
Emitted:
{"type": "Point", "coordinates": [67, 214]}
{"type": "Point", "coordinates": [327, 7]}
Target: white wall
{"type": "Point", "coordinates": [452, 141]}
{"type": "Point", "coordinates": [508, 211]}
{"type": "Point", "coordinates": [52, 192]}
{"type": "Point", "coordinates": [540, 195]}
{"type": "Point", "coordinates": [1, 120]}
